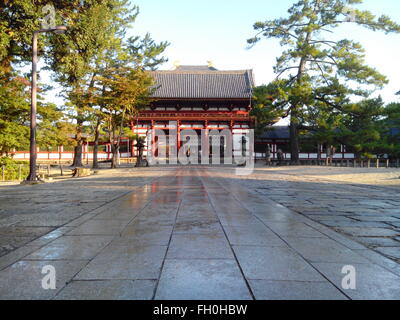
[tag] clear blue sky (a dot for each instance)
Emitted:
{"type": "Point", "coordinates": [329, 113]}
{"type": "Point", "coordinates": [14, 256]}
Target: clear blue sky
{"type": "Point", "coordinates": [217, 30]}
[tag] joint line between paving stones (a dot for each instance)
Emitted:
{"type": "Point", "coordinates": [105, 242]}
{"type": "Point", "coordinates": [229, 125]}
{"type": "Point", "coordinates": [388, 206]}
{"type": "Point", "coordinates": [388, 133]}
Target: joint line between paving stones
{"type": "Point", "coordinates": [166, 252]}
{"type": "Point", "coordinates": [227, 239]}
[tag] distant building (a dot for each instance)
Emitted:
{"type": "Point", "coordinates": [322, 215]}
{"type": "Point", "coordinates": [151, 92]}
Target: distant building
{"type": "Point", "coordinates": [278, 137]}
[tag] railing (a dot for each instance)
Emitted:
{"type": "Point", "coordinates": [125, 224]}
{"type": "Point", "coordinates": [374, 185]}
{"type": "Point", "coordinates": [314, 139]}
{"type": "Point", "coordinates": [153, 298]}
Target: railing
{"type": "Point", "coordinates": [59, 156]}
{"type": "Point", "coordinates": [347, 163]}
{"type": "Point", "coordinates": [310, 156]}
{"type": "Point", "coordinates": [17, 172]}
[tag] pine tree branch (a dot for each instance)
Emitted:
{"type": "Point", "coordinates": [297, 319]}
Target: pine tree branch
{"type": "Point", "coordinates": [284, 70]}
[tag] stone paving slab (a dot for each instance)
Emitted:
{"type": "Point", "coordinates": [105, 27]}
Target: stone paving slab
{"type": "Point", "coordinates": [253, 236]}
{"type": "Point", "coordinates": [71, 248]}
{"type": "Point", "coordinates": [370, 232]}
{"type": "Point", "coordinates": [143, 234]}
{"type": "Point", "coordinates": [372, 242]}
{"type": "Point", "coordinates": [108, 290]}
{"type": "Point", "coordinates": [192, 225]}
{"type": "Point", "coordinates": [199, 246]}
{"type": "Point", "coordinates": [294, 229]}
{"type": "Point", "coordinates": [202, 280]}
{"type": "Point", "coordinates": [125, 262]}
{"type": "Point", "coordinates": [16, 255]}
{"type": "Point", "coordinates": [324, 250]}
{"type": "Point", "coordinates": [99, 227]}
{"type": "Point", "coordinates": [295, 290]}
{"type": "Point", "coordinates": [393, 252]}
{"type": "Point", "coordinates": [274, 263]}
{"type": "Point", "coordinates": [11, 242]}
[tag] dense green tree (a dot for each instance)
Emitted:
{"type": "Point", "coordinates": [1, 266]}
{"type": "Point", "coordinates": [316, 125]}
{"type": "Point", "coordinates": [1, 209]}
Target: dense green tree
{"type": "Point", "coordinates": [263, 109]}
{"type": "Point", "coordinates": [94, 45]}
{"type": "Point", "coordinates": [317, 70]}
{"type": "Point", "coordinates": [391, 129]}
{"type": "Point", "coordinates": [54, 129]}
{"type": "Point", "coordinates": [361, 127]}
{"type": "Point", "coordinates": [93, 27]}
{"type": "Point", "coordinates": [15, 115]}
{"type": "Point", "coordinates": [18, 20]}
{"type": "Point", "coordinates": [321, 123]}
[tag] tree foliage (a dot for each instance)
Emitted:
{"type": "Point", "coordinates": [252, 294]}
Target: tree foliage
{"type": "Point", "coordinates": [391, 129]}
{"type": "Point", "coordinates": [18, 20]}
{"type": "Point", "coordinates": [263, 107]}
{"type": "Point", "coordinates": [124, 91]}
{"type": "Point", "coordinates": [317, 73]}
{"type": "Point", "coordinates": [95, 50]}
{"type": "Point", "coordinates": [361, 127]}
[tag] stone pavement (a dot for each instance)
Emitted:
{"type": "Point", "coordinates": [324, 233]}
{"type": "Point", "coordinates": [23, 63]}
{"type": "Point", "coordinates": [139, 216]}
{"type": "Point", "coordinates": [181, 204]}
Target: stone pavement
{"type": "Point", "coordinates": [367, 214]}
{"type": "Point", "coordinates": [181, 233]}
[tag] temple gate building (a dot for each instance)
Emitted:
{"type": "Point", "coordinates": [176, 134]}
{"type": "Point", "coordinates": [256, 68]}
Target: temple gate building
{"type": "Point", "coordinates": [197, 98]}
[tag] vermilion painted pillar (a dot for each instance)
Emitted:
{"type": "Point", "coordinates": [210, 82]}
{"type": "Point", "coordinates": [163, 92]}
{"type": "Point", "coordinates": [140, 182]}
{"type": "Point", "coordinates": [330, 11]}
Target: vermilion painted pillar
{"type": "Point", "coordinates": [153, 138]}
{"type": "Point", "coordinates": [178, 124]}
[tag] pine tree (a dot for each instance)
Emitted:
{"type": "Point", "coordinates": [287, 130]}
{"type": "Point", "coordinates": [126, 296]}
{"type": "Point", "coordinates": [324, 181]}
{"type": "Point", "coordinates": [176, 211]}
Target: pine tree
{"type": "Point", "coordinates": [317, 70]}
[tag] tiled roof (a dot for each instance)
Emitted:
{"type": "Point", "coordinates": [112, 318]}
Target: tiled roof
{"type": "Point", "coordinates": [202, 82]}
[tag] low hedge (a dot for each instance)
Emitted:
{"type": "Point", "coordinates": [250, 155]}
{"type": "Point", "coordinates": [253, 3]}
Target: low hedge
{"type": "Point", "coordinates": [11, 170]}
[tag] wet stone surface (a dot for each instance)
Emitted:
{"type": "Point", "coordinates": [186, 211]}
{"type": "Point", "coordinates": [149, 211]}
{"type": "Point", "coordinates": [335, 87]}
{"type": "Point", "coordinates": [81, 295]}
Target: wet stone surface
{"type": "Point", "coordinates": [199, 233]}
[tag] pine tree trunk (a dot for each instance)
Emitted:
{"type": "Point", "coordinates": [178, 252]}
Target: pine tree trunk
{"type": "Point", "coordinates": [78, 151]}
{"type": "Point", "coordinates": [294, 142]}
{"type": "Point", "coordinates": [115, 149]}
{"type": "Point", "coordinates": [115, 146]}
{"type": "Point", "coordinates": [294, 121]}
{"type": "Point", "coordinates": [319, 157]}
{"type": "Point", "coordinates": [96, 146]}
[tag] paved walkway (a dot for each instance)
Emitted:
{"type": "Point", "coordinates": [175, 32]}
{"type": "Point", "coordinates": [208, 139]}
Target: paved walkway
{"type": "Point", "coordinates": [181, 233]}
{"type": "Point", "coordinates": [338, 198]}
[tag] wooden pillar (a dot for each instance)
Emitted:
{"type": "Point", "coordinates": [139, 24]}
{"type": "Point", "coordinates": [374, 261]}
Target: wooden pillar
{"type": "Point", "coordinates": [206, 151]}
{"type": "Point", "coordinates": [178, 130]}
{"type": "Point", "coordinates": [153, 138]}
